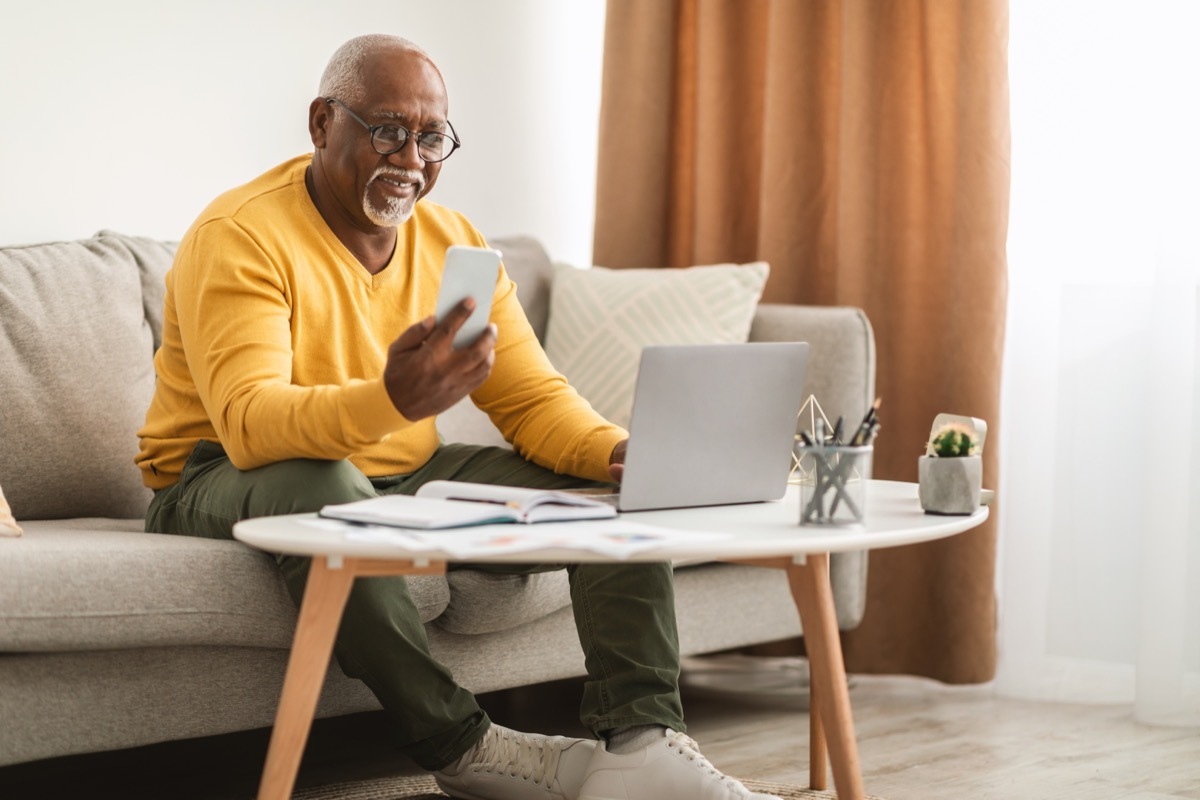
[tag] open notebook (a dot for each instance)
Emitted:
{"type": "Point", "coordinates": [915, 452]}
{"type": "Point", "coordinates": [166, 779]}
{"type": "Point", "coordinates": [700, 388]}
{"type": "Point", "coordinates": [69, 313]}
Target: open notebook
{"type": "Point", "coordinates": [453, 504]}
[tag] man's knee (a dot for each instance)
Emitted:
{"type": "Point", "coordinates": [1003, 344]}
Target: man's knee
{"type": "Point", "coordinates": [303, 486]}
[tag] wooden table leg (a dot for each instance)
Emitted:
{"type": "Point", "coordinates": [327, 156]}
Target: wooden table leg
{"type": "Point", "coordinates": [816, 741]}
{"type": "Point", "coordinates": [830, 699]}
{"type": "Point", "coordinates": [320, 613]}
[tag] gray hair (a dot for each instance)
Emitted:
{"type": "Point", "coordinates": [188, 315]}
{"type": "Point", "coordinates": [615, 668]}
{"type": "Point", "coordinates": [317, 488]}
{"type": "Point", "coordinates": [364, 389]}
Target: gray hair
{"type": "Point", "coordinates": [343, 75]}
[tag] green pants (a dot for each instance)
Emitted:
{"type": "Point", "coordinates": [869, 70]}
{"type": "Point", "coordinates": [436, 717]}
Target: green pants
{"type": "Point", "coordinates": [624, 613]}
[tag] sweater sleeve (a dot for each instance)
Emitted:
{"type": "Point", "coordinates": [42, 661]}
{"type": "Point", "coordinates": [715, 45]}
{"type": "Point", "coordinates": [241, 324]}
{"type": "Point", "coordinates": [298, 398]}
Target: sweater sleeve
{"type": "Point", "coordinates": [234, 308]}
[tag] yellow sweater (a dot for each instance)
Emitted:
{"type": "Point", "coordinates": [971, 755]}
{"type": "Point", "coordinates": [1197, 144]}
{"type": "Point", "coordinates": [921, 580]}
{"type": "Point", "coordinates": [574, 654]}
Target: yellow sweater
{"type": "Point", "coordinates": [275, 339]}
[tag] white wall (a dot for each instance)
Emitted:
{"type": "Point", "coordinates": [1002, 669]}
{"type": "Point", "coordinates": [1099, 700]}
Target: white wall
{"type": "Point", "coordinates": [131, 115]}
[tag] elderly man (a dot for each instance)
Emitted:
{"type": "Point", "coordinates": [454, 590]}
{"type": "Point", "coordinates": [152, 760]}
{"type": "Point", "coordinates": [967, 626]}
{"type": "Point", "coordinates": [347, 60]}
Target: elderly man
{"type": "Point", "coordinates": [301, 366]}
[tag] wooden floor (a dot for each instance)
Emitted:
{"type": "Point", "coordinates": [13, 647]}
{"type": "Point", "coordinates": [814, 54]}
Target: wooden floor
{"type": "Point", "coordinates": [921, 739]}
{"type": "Point", "coordinates": [918, 740]}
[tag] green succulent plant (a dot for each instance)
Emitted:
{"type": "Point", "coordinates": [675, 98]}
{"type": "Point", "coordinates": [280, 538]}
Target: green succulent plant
{"type": "Point", "coordinates": [953, 440]}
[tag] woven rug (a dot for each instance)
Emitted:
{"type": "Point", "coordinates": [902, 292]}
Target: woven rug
{"type": "Point", "coordinates": [422, 787]}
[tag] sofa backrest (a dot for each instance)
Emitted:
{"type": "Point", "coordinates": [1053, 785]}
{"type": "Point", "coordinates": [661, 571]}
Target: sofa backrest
{"type": "Point", "coordinates": [79, 322]}
{"type": "Point", "coordinates": [528, 264]}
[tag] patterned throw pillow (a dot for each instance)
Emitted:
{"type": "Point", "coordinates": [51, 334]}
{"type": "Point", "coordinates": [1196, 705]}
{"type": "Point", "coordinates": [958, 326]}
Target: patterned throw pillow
{"type": "Point", "coordinates": [8, 525]}
{"type": "Point", "coordinates": [600, 319]}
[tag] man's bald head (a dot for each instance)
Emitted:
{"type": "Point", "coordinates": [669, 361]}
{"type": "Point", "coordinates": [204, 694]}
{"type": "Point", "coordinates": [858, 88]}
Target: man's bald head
{"type": "Point", "coordinates": [344, 75]}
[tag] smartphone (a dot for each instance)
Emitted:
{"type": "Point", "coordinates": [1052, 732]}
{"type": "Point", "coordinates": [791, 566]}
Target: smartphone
{"type": "Point", "coordinates": [468, 272]}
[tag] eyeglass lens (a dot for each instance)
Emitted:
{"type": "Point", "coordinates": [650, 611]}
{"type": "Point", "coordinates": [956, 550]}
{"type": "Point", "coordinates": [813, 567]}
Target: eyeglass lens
{"type": "Point", "coordinates": [389, 138]}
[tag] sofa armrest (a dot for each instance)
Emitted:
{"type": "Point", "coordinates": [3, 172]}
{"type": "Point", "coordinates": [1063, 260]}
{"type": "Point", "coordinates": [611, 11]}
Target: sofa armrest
{"type": "Point", "coordinates": [841, 362]}
{"type": "Point", "coordinates": [841, 375]}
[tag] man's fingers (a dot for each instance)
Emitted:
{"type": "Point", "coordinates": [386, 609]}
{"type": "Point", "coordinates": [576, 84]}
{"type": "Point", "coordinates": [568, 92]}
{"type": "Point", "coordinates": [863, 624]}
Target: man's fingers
{"type": "Point", "coordinates": [480, 372]}
{"type": "Point", "coordinates": [416, 333]}
{"type": "Point", "coordinates": [455, 318]}
{"type": "Point", "coordinates": [483, 346]}
{"type": "Point", "coordinates": [616, 461]}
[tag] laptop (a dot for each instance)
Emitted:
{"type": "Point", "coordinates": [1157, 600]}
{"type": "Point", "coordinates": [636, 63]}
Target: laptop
{"type": "Point", "coordinates": [712, 424]}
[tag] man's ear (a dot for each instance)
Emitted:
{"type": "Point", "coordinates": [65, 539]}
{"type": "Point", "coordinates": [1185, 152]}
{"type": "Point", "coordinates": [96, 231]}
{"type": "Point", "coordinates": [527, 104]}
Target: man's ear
{"type": "Point", "coordinates": [318, 122]}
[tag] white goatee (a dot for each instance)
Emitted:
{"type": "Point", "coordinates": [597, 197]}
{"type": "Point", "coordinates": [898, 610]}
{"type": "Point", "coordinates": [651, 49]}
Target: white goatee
{"type": "Point", "coordinates": [396, 210]}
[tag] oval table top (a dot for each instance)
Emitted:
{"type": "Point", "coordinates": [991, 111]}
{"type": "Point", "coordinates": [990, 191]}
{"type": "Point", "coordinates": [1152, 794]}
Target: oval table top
{"type": "Point", "coordinates": [744, 531]}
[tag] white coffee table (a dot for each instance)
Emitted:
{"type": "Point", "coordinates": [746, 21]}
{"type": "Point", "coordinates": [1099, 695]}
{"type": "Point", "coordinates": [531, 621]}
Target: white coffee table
{"type": "Point", "coordinates": [766, 535]}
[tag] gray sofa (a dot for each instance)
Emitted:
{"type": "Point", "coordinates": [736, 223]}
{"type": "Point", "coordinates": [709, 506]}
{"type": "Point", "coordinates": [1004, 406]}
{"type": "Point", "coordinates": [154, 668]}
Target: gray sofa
{"type": "Point", "coordinates": [111, 637]}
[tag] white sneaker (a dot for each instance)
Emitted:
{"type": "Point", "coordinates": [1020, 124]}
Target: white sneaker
{"type": "Point", "coordinates": [672, 768]}
{"type": "Point", "coordinates": [509, 765]}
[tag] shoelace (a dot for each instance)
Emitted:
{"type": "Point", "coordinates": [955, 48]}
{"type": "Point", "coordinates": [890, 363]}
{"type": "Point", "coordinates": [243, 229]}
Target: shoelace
{"type": "Point", "coordinates": [687, 747]}
{"type": "Point", "coordinates": [519, 756]}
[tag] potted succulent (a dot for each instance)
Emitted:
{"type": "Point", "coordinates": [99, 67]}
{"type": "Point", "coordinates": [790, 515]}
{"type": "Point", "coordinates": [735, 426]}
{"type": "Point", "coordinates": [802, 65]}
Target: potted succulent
{"type": "Point", "coordinates": [951, 471]}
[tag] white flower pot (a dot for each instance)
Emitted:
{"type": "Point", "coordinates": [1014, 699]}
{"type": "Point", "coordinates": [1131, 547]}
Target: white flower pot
{"type": "Point", "coordinates": [950, 485]}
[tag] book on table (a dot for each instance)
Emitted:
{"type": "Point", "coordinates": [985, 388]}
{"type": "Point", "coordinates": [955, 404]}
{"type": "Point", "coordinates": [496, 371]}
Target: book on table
{"type": "Point", "coordinates": [455, 504]}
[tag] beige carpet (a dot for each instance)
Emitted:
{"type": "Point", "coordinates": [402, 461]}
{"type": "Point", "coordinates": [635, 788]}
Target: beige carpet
{"type": "Point", "coordinates": [423, 788]}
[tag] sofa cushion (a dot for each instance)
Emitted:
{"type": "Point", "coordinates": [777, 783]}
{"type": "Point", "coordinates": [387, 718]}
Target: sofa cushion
{"type": "Point", "coordinates": [99, 584]}
{"type": "Point", "coordinates": [600, 319]}
{"type": "Point", "coordinates": [76, 348]}
{"type": "Point", "coordinates": [488, 602]}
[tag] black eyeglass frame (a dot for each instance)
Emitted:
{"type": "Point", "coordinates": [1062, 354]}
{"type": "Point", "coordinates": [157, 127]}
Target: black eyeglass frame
{"type": "Point", "coordinates": [452, 136]}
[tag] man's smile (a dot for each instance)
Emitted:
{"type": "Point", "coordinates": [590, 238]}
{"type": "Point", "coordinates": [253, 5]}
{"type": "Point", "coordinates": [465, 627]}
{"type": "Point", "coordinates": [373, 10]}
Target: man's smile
{"type": "Point", "coordinates": [399, 184]}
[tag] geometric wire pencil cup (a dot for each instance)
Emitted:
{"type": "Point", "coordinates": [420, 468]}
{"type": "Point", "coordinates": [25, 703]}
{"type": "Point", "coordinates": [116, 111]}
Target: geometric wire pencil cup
{"type": "Point", "coordinates": [836, 494]}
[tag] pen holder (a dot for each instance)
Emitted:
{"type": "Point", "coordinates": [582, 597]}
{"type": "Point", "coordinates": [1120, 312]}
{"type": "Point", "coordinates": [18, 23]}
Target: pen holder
{"type": "Point", "coordinates": [836, 494]}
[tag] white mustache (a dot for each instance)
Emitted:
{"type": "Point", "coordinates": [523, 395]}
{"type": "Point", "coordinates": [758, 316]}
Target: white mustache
{"type": "Point", "coordinates": [404, 175]}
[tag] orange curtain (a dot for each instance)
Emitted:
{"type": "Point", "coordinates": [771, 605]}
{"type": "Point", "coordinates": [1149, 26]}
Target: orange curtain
{"type": "Point", "coordinates": [862, 148]}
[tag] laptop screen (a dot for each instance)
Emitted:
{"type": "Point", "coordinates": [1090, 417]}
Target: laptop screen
{"type": "Point", "coordinates": [713, 424]}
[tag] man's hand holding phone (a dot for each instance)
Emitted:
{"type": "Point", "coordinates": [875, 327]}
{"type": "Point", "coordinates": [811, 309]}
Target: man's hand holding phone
{"type": "Point", "coordinates": [469, 272]}
{"type": "Point", "coordinates": [443, 358]}
{"type": "Point", "coordinates": [426, 375]}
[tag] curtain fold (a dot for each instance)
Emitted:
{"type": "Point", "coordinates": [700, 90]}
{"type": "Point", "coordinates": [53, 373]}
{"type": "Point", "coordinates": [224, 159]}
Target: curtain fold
{"type": "Point", "coordinates": [862, 148]}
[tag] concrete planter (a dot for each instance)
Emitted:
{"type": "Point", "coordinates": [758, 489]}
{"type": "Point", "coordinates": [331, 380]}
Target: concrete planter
{"type": "Point", "coordinates": [950, 485]}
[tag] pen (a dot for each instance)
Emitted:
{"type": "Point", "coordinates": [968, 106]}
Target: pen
{"type": "Point", "coordinates": [868, 423]}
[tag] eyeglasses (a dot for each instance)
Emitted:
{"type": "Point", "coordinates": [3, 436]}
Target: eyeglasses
{"type": "Point", "coordinates": [433, 146]}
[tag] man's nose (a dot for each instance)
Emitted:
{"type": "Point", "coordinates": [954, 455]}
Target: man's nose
{"type": "Point", "coordinates": [408, 157]}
